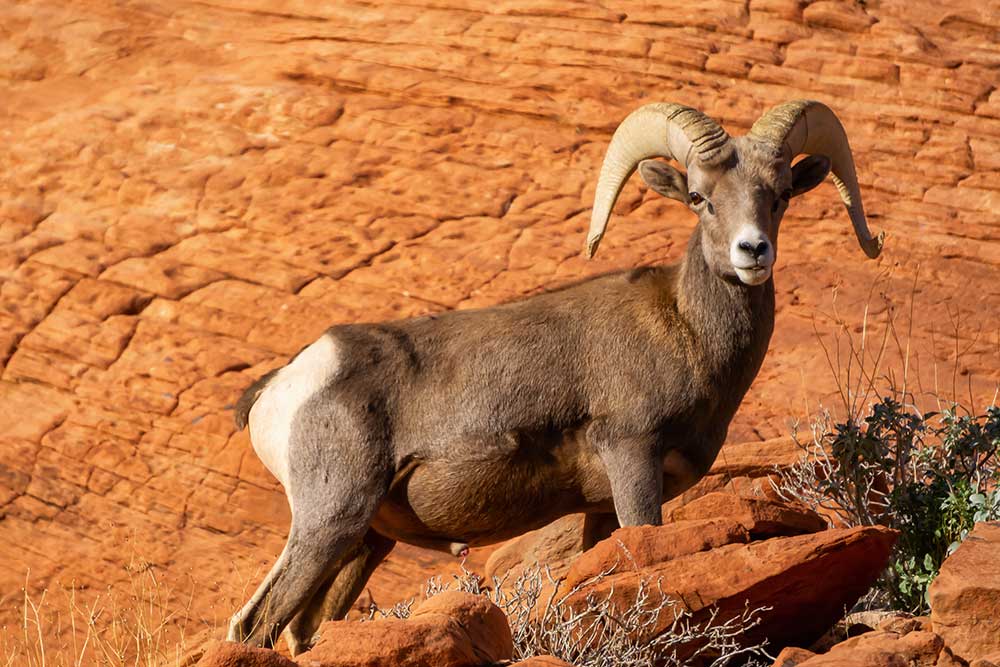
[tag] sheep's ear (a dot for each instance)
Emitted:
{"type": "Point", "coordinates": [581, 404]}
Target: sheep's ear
{"type": "Point", "coordinates": [664, 179]}
{"type": "Point", "coordinates": [808, 173]}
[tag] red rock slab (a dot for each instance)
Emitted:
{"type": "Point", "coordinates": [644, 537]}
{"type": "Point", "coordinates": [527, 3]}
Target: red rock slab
{"type": "Point", "coordinates": [806, 580]}
{"type": "Point", "coordinates": [641, 547]}
{"type": "Point", "coordinates": [229, 654]}
{"type": "Point", "coordinates": [709, 520]}
{"type": "Point", "coordinates": [451, 629]}
{"type": "Point", "coordinates": [541, 661]}
{"type": "Point", "coordinates": [881, 648]}
{"type": "Point", "coordinates": [553, 547]}
{"type": "Point", "coordinates": [792, 656]}
{"type": "Point", "coordinates": [761, 517]}
{"type": "Point", "coordinates": [965, 596]}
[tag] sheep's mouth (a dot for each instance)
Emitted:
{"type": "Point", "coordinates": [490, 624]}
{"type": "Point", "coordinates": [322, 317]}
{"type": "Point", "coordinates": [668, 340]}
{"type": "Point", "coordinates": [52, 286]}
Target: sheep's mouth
{"type": "Point", "coordinates": [753, 275]}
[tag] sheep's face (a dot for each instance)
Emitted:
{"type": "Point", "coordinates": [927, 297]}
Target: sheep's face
{"type": "Point", "coordinates": [739, 202]}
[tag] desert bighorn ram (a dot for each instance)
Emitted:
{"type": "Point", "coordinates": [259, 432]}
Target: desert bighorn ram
{"type": "Point", "coordinates": [607, 396]}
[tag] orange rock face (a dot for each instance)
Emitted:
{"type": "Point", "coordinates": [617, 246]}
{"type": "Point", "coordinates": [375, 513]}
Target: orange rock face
{"type": "Point", "coordinates": [965, 596]}
{"type": "Point", "coordinates": [882, 648]}
{"type": "Point", "coordinates": [542, 661]}
{"type": "Point", "coordinates": [192, 191]}
{"type": "Point", "coordinates": [646, 546]}
{"type": "Point", "coordinates": [553, 546]}
{"type": "Point", "coordinates": [806, 581]}
{"type": "Point", "coordinates": [707, 521]}
{"type": "Point", "coordinates": [228, 654]}
{"type": "Point", "coordinates": [451, 629]}
{"type": "Point", "coordinates": [760, 517]}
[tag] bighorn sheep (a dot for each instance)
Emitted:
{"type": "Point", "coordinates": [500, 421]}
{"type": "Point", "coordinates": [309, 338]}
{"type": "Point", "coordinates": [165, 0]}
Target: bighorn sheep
{"type": "Point", "coordinates": [607, 396]}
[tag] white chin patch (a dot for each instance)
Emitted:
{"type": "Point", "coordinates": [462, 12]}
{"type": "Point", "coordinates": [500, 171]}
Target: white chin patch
{"type": "Point", "coordinates": [755, 276]}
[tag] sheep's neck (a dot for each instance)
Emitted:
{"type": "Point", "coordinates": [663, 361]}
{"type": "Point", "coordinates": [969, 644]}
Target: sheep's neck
{"type": "Point", "coordinates": [731, 322]}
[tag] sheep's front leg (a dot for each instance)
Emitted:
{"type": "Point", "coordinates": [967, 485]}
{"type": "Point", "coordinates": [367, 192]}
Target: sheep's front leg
{"type": "Point", "coordinates": [636, 475]}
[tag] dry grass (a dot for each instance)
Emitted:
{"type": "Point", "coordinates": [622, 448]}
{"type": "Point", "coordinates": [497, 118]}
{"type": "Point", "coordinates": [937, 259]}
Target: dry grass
{"type": "Point", "coordinates": [601, 631]}
{"type": "Point", "coordinates": [70, 627]}
{"type": "Point", "coordinates": [141, 623]}
{"type": "Point", "coordinates": [874, 353]}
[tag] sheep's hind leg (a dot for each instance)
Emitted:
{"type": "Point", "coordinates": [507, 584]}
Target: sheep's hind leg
{"type": "Point", "coordinates": [334, 598]}
{"type": "Point", "coordinates": [330, 518]}
{"type": "Point", "coordinates": [301, 568]}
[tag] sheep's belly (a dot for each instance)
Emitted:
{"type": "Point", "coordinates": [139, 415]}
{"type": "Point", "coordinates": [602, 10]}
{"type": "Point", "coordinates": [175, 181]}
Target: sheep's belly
{"type": "Point", "coordinates": [441, 505]}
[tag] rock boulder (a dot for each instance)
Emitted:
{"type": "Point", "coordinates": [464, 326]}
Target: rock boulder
{"type": "Point", "coordinates": [965, 596]}
{"type": "Point", "coordinates": [703, 522]}
{"type": "Point", "coordinates": [806, 580]}
{"type": "Point", "coordinates": [542, 661]}
{"type": "Point", "coordinates": [881, 648]}
{"type": "Point", "coordinates": [646, 546]}
{"type": "Point", "coordinates": [451, 629]}
{"type": "Point", "coordinates": [229, 654]}
{"type": "Point", "coordinates": [553, 546]}
{"type": "Point", "coordinates": [761, 517]}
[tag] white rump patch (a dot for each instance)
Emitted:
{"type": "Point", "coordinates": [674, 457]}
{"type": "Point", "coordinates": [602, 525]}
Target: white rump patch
{"type": "Point", "coordinates": [272, 414]}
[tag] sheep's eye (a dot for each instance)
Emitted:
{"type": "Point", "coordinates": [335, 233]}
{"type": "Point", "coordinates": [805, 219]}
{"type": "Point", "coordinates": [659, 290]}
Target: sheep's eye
{"type": "Point", "coordinates": [695, 198]}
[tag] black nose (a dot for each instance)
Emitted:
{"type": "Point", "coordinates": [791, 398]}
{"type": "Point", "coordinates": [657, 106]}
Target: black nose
{"type": "Point", "coordinates": [754, 251]}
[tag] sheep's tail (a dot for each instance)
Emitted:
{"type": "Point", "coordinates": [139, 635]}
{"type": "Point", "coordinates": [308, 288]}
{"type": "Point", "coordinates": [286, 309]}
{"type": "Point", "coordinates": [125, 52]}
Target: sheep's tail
{"type": "Point", "coordinates": [249, 397]}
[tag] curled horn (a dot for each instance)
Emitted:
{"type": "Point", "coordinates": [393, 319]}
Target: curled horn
{"type": "Point", "coordinates": [805, 126]}
{"type": "Point", "coordinates": [672, 131]}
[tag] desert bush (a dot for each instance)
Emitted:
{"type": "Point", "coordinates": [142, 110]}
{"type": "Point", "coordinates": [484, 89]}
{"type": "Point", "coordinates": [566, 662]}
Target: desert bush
{"type": "Point", "coordinates": [600, 632]}
{"type": "Point", "coordinates": [928, 473]}
{"type": "Point", "coordinates": [930, 476]}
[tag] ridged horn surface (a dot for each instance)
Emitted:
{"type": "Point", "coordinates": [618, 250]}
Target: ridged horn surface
{"type": "Point", "coordinates": [806, 126]}
{"type": "Point", "coordinates": [672, 131]}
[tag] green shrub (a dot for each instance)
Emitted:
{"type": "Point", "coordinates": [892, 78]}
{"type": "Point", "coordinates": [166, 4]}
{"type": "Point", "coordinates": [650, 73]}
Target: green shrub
{"type": "Point", "coordinates": [930, 476]}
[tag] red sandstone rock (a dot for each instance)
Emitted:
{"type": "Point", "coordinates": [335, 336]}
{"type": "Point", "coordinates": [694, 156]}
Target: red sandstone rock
{"type": "Point", "coordinates": [902, 624]}
{"type": "Point", "coordinates": [807, 580]}
{"type": "Point", "coordinates": [542, 661]}
{"type": "Point", "coordinates": [554, 546]}
{"type": "Point", "coordinates": [451, 629]}
{"type": "Point", "coordinates": [647, 546]}
{"type": "Point", "coordinates": [878, 649]}
{"type": "Point", "coordinates": [484, 623]}
{"type": "Point", "coordinates": [792, 656]}
{"type": "Point", "coordinates": [228, 654]}
{"type": "Point", "coordinates": [761, 517]}
{"type": "Point", "coordinates": [839, 15]}
{"type": "Point", "coordinates": [965, 596]}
